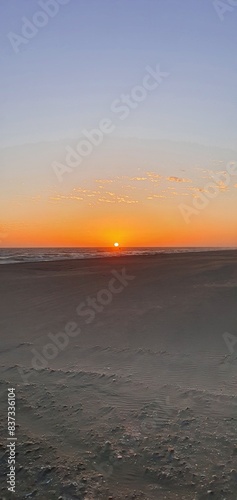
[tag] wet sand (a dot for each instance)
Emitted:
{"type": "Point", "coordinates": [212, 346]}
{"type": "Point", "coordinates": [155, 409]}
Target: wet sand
{"type": "Point", "coordinates": [125, 378]}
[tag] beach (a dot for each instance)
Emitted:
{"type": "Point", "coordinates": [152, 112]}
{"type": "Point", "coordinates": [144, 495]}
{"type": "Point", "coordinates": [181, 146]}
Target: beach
{"type": "Point", "coordinates": [124, 371]}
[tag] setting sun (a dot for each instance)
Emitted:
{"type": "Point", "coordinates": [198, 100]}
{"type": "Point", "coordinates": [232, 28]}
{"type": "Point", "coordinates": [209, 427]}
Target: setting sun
{"type": "Point", "coordinates": [116, 244]}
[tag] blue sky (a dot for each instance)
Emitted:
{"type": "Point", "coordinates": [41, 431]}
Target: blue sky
{"type": "Point", "coordinates": [66, 77]}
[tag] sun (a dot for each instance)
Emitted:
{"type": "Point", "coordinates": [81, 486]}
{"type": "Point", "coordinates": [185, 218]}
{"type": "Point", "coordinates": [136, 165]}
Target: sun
{"type": "Point", "coordinates": [116, 244]}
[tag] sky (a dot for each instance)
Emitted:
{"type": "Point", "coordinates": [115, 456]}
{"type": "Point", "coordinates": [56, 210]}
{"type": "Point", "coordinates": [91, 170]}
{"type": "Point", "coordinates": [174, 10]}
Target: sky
{"type": "Point", "coordinates": [118, 123]}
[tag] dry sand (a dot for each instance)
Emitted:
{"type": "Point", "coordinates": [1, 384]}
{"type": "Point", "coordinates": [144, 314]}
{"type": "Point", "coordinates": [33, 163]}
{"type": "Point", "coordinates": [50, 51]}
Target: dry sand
{"type": "Point", "coordinates": [142, 403]}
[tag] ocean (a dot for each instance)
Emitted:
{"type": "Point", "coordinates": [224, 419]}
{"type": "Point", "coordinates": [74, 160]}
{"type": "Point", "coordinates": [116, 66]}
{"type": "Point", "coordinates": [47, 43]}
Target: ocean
{"type": "Point", "coordinates": [21, 255]}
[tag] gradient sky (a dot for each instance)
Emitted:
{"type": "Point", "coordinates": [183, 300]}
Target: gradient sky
{"type": "Point", "coordinates": [163, 155]}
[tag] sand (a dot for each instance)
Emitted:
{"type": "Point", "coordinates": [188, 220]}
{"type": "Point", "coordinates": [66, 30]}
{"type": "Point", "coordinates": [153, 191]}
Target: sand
{"type": "Point", "coordinates": [138, 398]}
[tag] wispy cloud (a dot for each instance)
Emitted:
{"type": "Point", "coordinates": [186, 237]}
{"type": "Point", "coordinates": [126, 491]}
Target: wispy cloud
{"type": "Point", "coordinates": [140, 189]}
{"type": "Point", "coordinates": [177, 179]}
